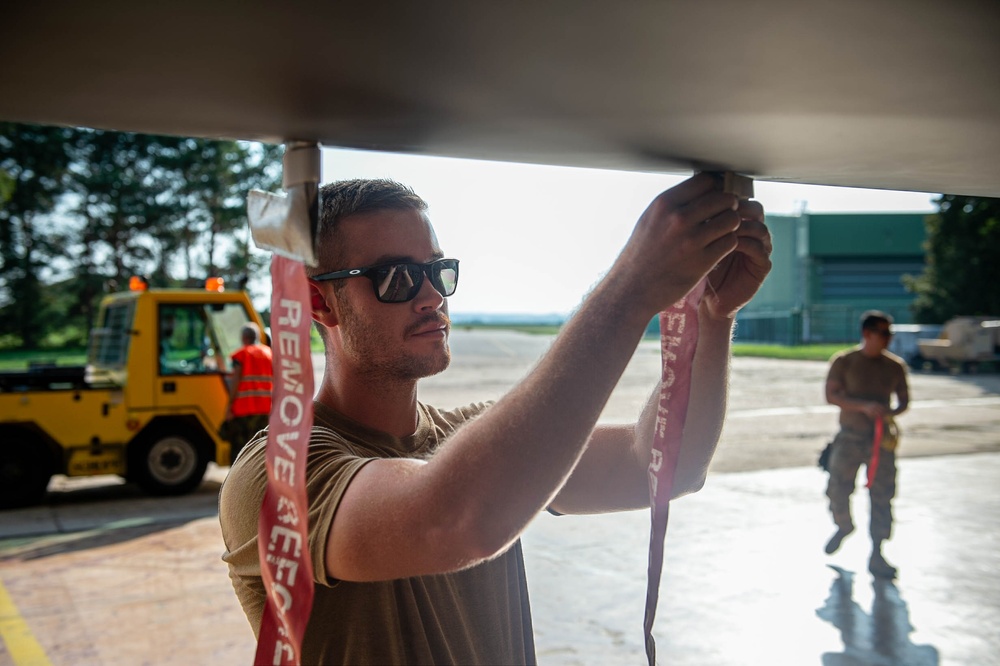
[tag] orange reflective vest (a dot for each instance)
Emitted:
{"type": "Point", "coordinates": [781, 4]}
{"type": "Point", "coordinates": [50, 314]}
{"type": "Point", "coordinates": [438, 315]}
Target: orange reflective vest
{"type": "Point", "coordinates": [253, 395]}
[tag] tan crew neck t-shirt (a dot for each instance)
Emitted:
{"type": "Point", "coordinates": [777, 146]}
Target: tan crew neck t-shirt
{"type": "Point", "coordinates": [476, 616]}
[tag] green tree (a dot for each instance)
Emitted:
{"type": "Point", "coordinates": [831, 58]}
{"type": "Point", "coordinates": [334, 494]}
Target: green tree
{"type": "Point", "coordinates": [124, 203]}
{"type": "Point", "coordinates": [963, 261]}
{"type": "Point", "coordinates": [34, 165]}
{"type": "Point", "coordinates": [163, 207]}
{"type": "Point", "coordinates": [166, 206]}
{"type": "Point", "coordinates": [6, 186]}
{"type": "Point", "coordinates": [214, 178]}
{"type": "Point", "coordinates": [170, 208]}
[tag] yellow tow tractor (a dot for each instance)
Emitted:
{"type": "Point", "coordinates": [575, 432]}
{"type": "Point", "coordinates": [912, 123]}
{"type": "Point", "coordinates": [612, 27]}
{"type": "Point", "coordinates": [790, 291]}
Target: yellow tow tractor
{"type": "Point", "coordinates": [147, 406]}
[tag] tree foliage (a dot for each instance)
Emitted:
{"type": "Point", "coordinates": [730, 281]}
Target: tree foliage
{"type": "Point", "coordinates": [963, 261]}
{"type": "Point", "coordinates": [83, 210]}
{"type": "Point", "coordinates": [34, 163]}
{"type": "Point", "coordinates": [215, 177]}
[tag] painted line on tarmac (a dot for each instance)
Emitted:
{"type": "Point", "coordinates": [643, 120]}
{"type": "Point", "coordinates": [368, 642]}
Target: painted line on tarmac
{"type": "Point", "coordinates": [830, 409]}
{"type": "Point", "coordinates": [780, 411]}
{"type": "Point", "coordinates": [957, 402]}
{"type": "Point", "coordinates": [506, 349]}
{"type": "Point", "coordinates": [20, 642]}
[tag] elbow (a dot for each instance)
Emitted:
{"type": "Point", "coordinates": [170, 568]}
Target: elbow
{"type": "Point", "coordinates": [490, 546]}
{"type": "Point", "coordinates": [488, 537]}
{"type": "Point", "coordinates": [471, 537]}
{"type": "Point", "coordinates": [690, 485]}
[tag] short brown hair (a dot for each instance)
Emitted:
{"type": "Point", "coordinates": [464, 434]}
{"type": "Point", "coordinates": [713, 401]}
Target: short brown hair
{"type": "Point", "coordinates": [343, 198]}
{"type": "Point", "coordinates": [872, 318]}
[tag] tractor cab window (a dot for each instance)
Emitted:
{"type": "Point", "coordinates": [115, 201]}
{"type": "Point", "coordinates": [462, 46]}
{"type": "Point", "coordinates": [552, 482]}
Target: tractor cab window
{"type": "Point", "coordinates": [109, 341]}
{"type": "Point", "coordinates": [199, 338]}
{"type": "Point", "coordinates": [225, 321]}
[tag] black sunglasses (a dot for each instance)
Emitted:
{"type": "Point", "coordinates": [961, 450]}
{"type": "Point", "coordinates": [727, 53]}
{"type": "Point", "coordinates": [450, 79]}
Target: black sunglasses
{"type": "Point", "coordinates": [400, 282]}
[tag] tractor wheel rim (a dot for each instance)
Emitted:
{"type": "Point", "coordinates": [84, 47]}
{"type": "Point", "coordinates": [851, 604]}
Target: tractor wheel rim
{"type": "Point", "coordinates": [172, 460]}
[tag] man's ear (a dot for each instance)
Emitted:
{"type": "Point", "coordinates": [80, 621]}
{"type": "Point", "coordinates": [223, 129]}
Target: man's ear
{"type": "Point", "coordinates": [323, 304]}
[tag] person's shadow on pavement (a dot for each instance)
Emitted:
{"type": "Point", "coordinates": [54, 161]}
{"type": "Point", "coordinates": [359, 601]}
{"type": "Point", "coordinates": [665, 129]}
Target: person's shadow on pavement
{"type": "Point", "coordinates": [881, 638]}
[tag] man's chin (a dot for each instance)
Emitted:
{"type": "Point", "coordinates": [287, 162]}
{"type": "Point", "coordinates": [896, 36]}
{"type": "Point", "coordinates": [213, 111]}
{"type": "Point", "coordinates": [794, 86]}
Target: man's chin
{"type": "Point", "coordinates": [440, 366]}
{"type": "Point", "coordinates": [428, 366]}
{"type": "Point", "coordinates": [444, 364]}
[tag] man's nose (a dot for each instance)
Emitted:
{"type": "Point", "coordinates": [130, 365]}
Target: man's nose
{"type": "Point", "coordinates": [428, 298]}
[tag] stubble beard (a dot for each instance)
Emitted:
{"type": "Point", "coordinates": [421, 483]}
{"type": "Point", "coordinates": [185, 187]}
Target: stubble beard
{"type": "Point", "coordinates": [387, 361]}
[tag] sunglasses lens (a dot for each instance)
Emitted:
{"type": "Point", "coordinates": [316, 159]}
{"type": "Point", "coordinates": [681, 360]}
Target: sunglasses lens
{"type": "Point", "coordinates": [446, 274]}
{"type": "Point", "coordinates": [398, 283]}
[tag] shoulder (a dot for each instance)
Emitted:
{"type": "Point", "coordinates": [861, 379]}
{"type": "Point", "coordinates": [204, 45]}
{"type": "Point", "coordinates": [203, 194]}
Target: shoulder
{"type": "Point", "coordinates": [332, 460]}
{"type": "Point", "coordinates": [250, 467]}
{"type": "Point", "coordinates": [896, 362]}
{"type": "Point", "coordinates": [457, 416]}
{"type": "Point", "coordinates": [844, 358]}
{"type": "Point", "coordinates": [259, 351]}
{"type": "Point", "coordinates": [329, 452]}
{"type": "Point", "coordinates": [242, 493]}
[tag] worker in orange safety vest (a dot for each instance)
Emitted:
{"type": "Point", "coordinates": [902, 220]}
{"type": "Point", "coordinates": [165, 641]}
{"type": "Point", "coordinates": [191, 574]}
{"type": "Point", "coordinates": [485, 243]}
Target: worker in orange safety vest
{"type": "Point", "coordinates": [249, 390]}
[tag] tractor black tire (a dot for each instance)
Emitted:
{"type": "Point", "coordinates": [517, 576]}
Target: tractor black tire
{"type": "Point", "coordinates": [167, 462]}
{"type": "Point", "coordinates": [25, 469]}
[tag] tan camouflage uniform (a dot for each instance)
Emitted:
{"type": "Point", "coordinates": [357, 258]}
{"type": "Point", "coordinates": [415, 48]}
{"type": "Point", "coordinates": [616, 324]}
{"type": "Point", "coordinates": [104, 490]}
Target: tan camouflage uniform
{"type": "Point", "coordinates": [850, 450]}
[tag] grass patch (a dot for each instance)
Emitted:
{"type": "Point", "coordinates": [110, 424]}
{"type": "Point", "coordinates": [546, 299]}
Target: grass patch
{"type": "Point", "coordinates": [19, 359]}
{"type": "Point", "coordinates": [817, 352]}
{"type": "Point", "coordinates": [533, 329]}
{"type": "Point", "coordinates": [796, 353]}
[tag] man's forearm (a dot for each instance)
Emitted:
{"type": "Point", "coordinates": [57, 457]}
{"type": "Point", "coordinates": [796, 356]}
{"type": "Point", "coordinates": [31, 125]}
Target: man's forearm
{"type": "Point", "coordinates": [707, 407]}
{"type": "Point", "coordinates": [234, 384]}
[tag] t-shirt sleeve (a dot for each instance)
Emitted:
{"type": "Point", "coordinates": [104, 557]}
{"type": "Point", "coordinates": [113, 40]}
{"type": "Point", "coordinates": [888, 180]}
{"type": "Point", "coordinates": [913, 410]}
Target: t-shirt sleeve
{"type": "Point", "coordinates": [331, 466]}
{"type": "Point", "coordinates": [838, 370]}
{"type": "Point", "coordinates": [330, 470]}
{"type": "Point", "coordinates": [240, 500]}
{"type": "Point", "coordinates": [901, 381]}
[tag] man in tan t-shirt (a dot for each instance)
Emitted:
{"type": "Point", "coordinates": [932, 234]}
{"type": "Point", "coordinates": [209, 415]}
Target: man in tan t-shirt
{"type": "Point", "coordinates": [416, 513]}
{"type": "Point", "coordinates": [862, 383]}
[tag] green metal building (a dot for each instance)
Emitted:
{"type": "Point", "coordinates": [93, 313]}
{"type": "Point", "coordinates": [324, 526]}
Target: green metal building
{"type": "Point", "coordinates": [828, 269]}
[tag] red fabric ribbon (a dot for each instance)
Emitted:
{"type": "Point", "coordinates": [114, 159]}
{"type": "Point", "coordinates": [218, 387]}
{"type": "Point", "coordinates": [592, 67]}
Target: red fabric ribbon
{"type": "Point", "coordinates": [678, 342]}
{"type": "Point", "coordinates": [876, 452]}
{"type": "Point", "coordinates": [283, 537]}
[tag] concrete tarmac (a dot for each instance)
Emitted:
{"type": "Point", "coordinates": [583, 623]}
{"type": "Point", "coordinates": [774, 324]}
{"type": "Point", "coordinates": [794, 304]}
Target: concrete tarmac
{"type": "Point", "coordinates": [122, 581]}
{"type": "Point", "coordinates": [746, 580]}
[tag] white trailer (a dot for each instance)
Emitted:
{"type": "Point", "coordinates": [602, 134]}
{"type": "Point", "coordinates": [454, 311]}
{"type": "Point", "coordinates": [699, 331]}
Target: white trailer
{"type": "Point", "coordinates": [965, 344]}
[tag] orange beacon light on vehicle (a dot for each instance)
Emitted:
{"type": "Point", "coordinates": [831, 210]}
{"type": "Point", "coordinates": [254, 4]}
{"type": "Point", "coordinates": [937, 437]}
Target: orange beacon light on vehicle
{"type": "Point", "coordinates": [215, 284]}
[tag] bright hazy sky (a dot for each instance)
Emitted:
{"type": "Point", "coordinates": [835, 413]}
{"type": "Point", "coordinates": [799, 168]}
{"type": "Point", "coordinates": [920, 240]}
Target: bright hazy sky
{"type": "Point", "coordinates": [534, 239]}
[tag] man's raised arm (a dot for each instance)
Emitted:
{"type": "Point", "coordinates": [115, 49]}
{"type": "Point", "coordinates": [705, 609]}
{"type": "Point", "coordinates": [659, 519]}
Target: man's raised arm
{"type": "Point", "coordinates": [471, 500]}
{"type": "Point", "coordinates": [612, 473]}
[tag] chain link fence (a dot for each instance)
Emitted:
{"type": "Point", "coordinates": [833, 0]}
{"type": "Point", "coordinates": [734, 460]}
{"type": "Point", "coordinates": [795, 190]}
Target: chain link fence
{"type": "Point", "coordinates": [814, 324]}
